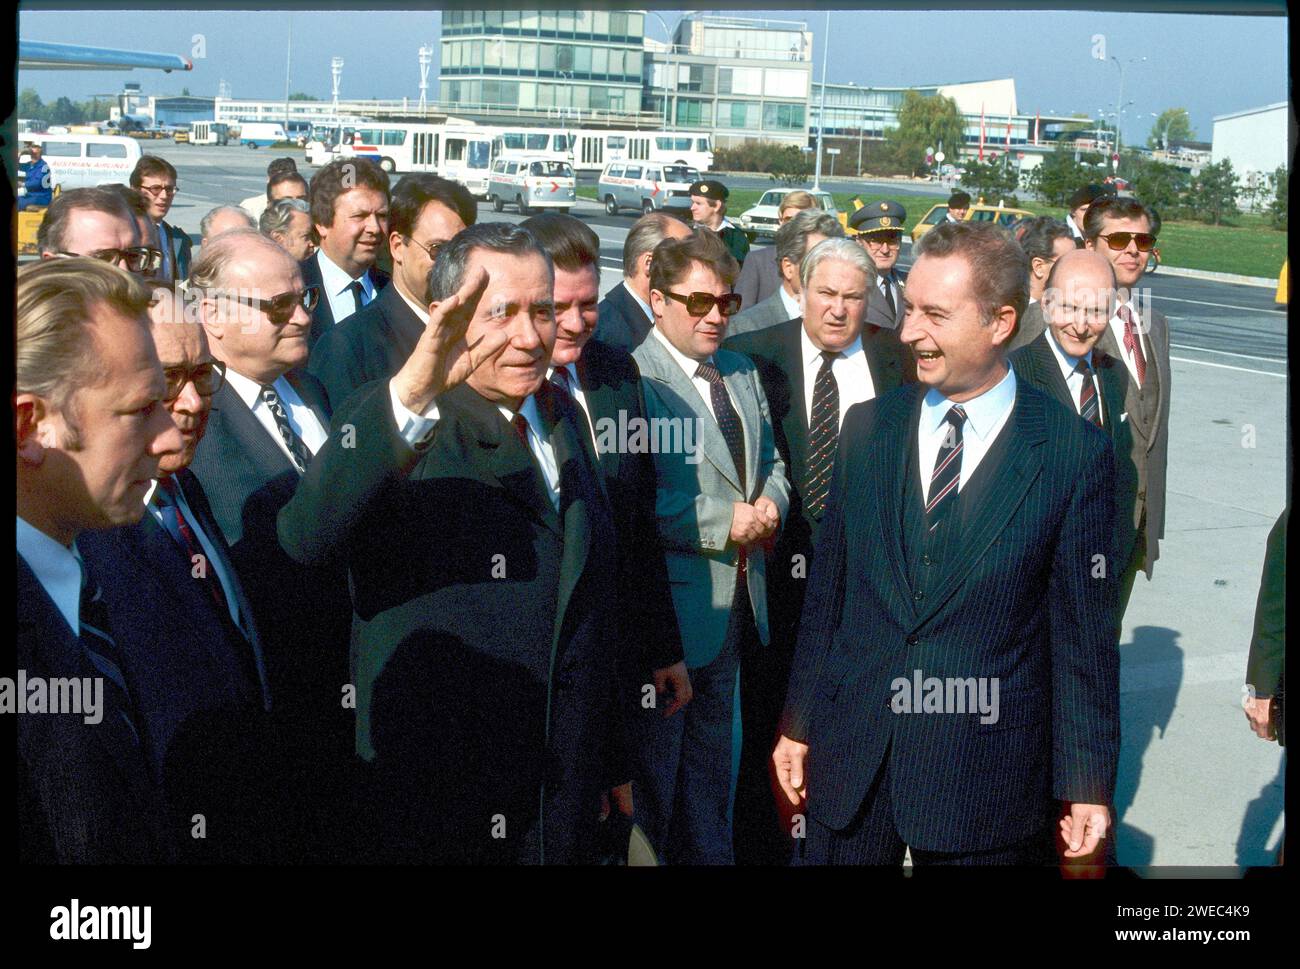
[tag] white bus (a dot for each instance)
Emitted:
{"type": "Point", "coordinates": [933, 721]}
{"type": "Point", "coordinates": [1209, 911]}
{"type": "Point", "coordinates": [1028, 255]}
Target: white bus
{"type": "Point", "coordinates": [555, 144]}
{"type": "Point", "coordinates": [595, 148]}
{"type": "Point", "coordinates": [84, 161]}
{"type": "Point", "coordinates": [209, 133]}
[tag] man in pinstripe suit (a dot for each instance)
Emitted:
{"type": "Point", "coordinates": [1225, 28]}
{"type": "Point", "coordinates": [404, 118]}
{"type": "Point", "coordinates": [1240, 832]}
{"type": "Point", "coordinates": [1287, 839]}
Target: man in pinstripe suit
{"type": "Point", "coordinates": [966, 542]}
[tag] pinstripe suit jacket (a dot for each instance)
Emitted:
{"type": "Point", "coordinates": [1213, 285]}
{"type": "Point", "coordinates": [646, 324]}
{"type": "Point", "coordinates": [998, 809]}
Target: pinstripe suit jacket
{"type": "Point", "coordinates": [1016, 602]}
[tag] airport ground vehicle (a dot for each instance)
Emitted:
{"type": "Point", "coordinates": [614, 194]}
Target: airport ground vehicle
{"type": "Point", "coordinates": [595, 148]}
{"type": "Point", "coordinates": [763, 218]}
{"type": "Point", "coordinates": [181, 135]}
{"type": "Point", "coordinates": [209, 133]}
{"type": "Point", "coordinates": [531, 182]}
{"type": "Point", "coordinates": [261, 134]}
{"type": "Point", "coordinates": [979, 212]}
{"type": "Point", "coordinates": [644, 187]}
{"type": "Point", "coordinates": [83, 161]}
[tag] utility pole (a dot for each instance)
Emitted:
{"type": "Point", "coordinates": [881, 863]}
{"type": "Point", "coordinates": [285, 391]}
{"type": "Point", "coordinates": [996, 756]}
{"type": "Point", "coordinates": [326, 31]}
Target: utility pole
{"type": "Point", "coordinates": [288, 60]}
{"type": "Point", "coordinates": [336, 72]}
{"type": "Point", "coordinates": [821, 108]}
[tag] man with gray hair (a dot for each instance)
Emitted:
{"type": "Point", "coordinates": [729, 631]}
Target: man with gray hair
{"type": "Point", "coordinates": [222, 219]}
{"type": "Point", "coordinates": [624, 318]}
{"type": "Point", "coordinates": [91, 432]}
{"type": "Point", "coordinates": [793, 241]}
{"type": "Point", "coordinates": [288, 222]}
{"type": "Point", "coordinates": [468, 507]}
{"type": "Point", "coordinates": [813, 368]}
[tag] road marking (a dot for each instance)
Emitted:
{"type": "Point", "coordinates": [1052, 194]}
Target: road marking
{"type": "Point", "coordinates": [1227, 353]}
{"type": "Point", "coordinates": [1224, 366]}
{"type": "Point", "coordinates": [1226, 306]}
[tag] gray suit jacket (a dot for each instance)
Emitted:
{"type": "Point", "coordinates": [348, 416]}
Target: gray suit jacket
{"type": "Point", "coordinates": [1031, 326]}
{"type": "Point", "coordinates": [878, 310]}
{"type": "Point", "coordinates": [1149, 419]}
{"type": "Point", "coordinates": [759, 278]}
{"type": "Point", "coordinates": [770, 312]}
{"type": "Point", "coordinates": [695, 492]}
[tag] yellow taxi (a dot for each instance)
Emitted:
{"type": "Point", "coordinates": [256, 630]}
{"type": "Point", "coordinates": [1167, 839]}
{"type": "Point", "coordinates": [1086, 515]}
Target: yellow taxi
{"type": "Point", "coordinates": [978, 212]}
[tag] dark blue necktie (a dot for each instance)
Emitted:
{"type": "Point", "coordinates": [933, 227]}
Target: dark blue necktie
{"type": "Point", "coordinates": [823, 435]}
{"type": "Point", "coordinates": [96, 637]}
{"type": "Point", "coordinates": [946, 477]}
{"type": "Point", "coordinates": [728, 419]}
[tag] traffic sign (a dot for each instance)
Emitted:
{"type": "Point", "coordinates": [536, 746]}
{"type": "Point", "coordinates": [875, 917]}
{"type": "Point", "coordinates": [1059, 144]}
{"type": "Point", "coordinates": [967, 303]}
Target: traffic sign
{"type": "Point", "coordinates": [832, 151]}
{"type": "Point", "coordinates": [939, 156]}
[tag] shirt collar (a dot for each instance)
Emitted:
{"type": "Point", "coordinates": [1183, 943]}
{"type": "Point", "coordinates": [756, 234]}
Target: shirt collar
{"type": "Point", "coordinates": [529, 411]}
{"type": "Point", "coordinates": [791, 303]}
{"type": "Point", "coordinates": [421, 312]}
{"type": "Point", "coordinates": [1067, 362]}
{"type": "Point", "coordinates": [248, 389]}
{"type": "Point", "coordinates": [649, 313]}
{"type": "Point", "coordinates": [982, 413]}
{"type": "Point", "coordinates": [56, 566]}
{"type": "Point", "coordinates": [689, 366]}
{"type": "Point", "coordinates": [336, 280]}
{"type": "Point", "coordinates": [812, 355]}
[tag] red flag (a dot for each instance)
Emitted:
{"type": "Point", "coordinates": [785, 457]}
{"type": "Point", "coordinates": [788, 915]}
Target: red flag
{"type": "Point", "coordinates": [981, 158]}
{"type": "Point", "coordinates": [1036, 122]}
{"type": "Point", "coordinates": [1008, 129]}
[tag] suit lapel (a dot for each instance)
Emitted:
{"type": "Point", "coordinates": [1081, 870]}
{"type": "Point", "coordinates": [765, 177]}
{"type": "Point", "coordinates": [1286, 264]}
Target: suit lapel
{"type": "Point", "coordinates": [1113, 377]}
{"type": "Point", "coordinates": [253, 439]}
{"type": "Point", "coordinates": [888, 467]}
{"type": "Point", "coordinates": [601, 403]}
{"type": "Point", "coordinates": [1005, 490]}
{"type": "Point", "coordinates": [512, 462]}
{"type": "Point", "coordinates": [1049, 371]}
{"type": "Point", "coordinates": [741, 390]}
{"type": "Point", "coordinates": [796, 418]}
{"type": "Point", "coordinates": [581, 498]}
{"type": "Point", "coordinates": [883, 365]}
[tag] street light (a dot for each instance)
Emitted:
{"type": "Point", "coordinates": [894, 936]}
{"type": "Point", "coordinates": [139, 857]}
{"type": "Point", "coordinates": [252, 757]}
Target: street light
{"type": "Point", "coordinates": [1119, 102]}
{"type": "Point", "coordinates": [668, 66]}
{"type": "Point", "coordinates": [821, 108]}
{"type": "Point", "coordinates": [336, 72]}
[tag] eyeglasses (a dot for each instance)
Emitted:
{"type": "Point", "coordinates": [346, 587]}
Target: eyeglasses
{"type": "Point", "coordinates": [1120, 240]}
{"type": "Point", "coordinates": [136, 259]}
{"type": "Point", "coordinates": [882, 238]}
{"type": "Point", "coordinates": [207, 377]}
{"type": "Point", "coordinates": [160, 189]}
{"type": "Point", "coordinates": [700, 304]}
{"type": "Point", "coordinates": [279, 309]}
{"type": "Point", "coordinates": [432, 248]}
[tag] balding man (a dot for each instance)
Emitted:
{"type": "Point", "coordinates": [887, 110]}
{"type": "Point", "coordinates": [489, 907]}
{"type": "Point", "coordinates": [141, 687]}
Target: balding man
{"type": "Point", "coordinates": [193, 655]}
{"type": "Point", "coordinates": [624, 314]}
{"type": "Point", "coordinates": [222, 219]}
{"type": "Point", "coordinates": [1066, 362]}
{"type": "Point", "coordinates": [89, 442]}
{"type": "Point", "coordinates": [269, 418]}
{"type": "Point", "coordinates": [813, 369]}
{"type": "Point", "coordinates": [794, 240]}
{"type": "Point", "coordinates": [99, 223]}
{"type": "Point", "coordinates": [958, 556]}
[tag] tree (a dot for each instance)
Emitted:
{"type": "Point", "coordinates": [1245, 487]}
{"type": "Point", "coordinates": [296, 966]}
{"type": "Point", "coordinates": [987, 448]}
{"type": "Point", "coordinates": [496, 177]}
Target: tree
{"type": "Point", "coordinates": [65, 112]}
{"type": "Point", "coordinates": [1172, 126]}
{"type": "Point", "coordinates": [925, 122]}
{"type": "Point", "coordinates": [30, 104]}
{"type": "Point", "coordinates": [185, 92]}
{"type": "Point", "coordinates": [1214, 193]}
{"type": "Point", "coordinates": [1059, 174]}
{"type": "Point", "coordinates": [994, 181]}
{"type": "Point", "coordinates": [1161, 186]}
{"type": "Point", "coordinates": [1280, 180]}
{"type": "Point", "coordinates": [302, 96]}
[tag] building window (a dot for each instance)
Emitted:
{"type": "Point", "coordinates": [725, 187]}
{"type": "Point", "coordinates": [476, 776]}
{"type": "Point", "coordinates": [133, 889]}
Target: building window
{"type": "Point", "coordinates": [690, 112]}
{"type": "Point", "coordinates": [618, 24]}
{"type": "Point", "coordinates": [547, 62]}
{"type": "Point", "coordinates": [600, 23]}
{"type": "Point", "coordinates": [493, 18]}
{"type": "Point", "coordinates": [600, 61]}
{"type": "Point", "coordinates": [738, 114]}
{"type": "Point", "coordinates": [690, 77]}
{"type": "Point", "coordinates": [582, 23]}
{"type": "Point", "coordinates": [785, 84]}
{"type": "Point", "coordinates": [582, 59]}
{"type": "Point", "coordinates": [565, 24]}
{"type": "Point", "coordinates": [635, 25]}
{"type": "Point", "coordinates": [548, 22]}
{"type": "Point", "coordinates": [632, 65]}
{"type": "Point", "coordinates": [564, 57]}
{"type": "Point", "coordinates": [783, 116]}
{"type": "Point", "coordinates": [528, 58]}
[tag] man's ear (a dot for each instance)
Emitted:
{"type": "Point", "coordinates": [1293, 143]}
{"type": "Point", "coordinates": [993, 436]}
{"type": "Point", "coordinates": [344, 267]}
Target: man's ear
{"type": "Point", "coordinates": [657, 303]}
{"type": "Point", "coordinates": [29, 414]}
{"type": "Point", "coordinates": [213, 317]}
{"type": "Point", "coordinates": [646, 259]}
{"type": "Point", "coordinates": [1004, 325]}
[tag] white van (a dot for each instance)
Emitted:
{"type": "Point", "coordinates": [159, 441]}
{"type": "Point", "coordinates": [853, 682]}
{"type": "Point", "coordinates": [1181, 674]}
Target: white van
{"type": "Point", "coordinates": [531, 183]}
{"type": "Point", "coordinates": [84, 161]}
{"type": "Point", "coordinates": [646, 186]}
{"type": "Point", "coordinates": [261, 134]}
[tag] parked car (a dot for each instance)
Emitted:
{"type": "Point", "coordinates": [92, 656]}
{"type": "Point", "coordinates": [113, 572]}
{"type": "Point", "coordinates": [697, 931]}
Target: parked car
{"type": "Point", "coordinates": [530, 183]}
{"type": "Point", "coordinates": [645, 186]}
{"type": "Point", "coordinates": [762, 219]}
{"type": "Point", "coordinates": [980, 212]}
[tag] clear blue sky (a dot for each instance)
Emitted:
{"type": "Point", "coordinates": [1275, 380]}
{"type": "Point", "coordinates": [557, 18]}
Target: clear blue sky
{"type": "Point", "coordinates": [1208, 64]}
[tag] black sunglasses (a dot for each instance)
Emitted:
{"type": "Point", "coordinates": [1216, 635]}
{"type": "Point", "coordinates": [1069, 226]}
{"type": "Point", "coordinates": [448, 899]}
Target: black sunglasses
{"type": "Point", "coordinates": [1120, 240]}
{"type": "Point", "coordinates": [700, 304]}
{"type": "Point", "coordinates": [207, 377]}
{"type": "Point", "coordinates": [279, 309]}
{"type": "Point", "coordinates": [136, 259]}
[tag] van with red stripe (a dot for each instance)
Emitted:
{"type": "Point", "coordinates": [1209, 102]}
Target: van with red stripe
{"type": "Point", "coordinates": [531, 183]}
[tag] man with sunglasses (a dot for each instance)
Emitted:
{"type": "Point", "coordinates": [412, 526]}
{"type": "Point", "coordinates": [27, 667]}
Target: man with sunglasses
{"type": "Point", "coordinates": [269, 419]}
{"type": "Point", "coordinates": [372, 344]}
{"type": "Point", "coordinates": [880, 232]}
{"type": "Point", "coordinates": [95, 222]}
{"type": "Point", "coordinates": [720, 504]}
{"type": "Point", "coordinates": [1123, 230]}
{"type": "Point", "coordinates": [193, 653]}
{"type": "Point", "coordinates": [155, 179]}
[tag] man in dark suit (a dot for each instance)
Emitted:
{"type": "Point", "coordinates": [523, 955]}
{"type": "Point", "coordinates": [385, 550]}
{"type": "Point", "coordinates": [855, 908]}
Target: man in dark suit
{"type": "Point", "coordinates": [623, 317]}
{"type": "Point", "coordinates": [603, 381]}
{"type": "Point", "coordinates": [818, 364]}
{"type": "Point", "coordinates": [880, 231]}
{"type": "Point", "coordinates": [958, 207]}
{"type": "Point", "coordinates": [760, 276]}
{"type": "Point", "coordinates": [1266, 665]}
{"type": "Point", "coordinates": [374, 343]}
{"type": "Point", "coordinates": [718, 503]}
{"type": "Point", "coordinates": [1044, 240]}
{"type": "Point", "coordinates": [958, 556]}
{"type": "Point", "coordinates": [793, 241]}
{"type": "Point", "coordinates": [349, 208]}
{"type": "Point", "coordinates": [87, 449]}
{"type": "Point", "coordinates": [1066, 363]}
{"type": "Point", "coordinates": [269, 418]}
{"type": "Point", "coordinates": [155, 179]}
{"type": "Point", "coordinates": [1124, 231]}
{"type": "Point", "coordinates": [192, 653]}
{"type": "Point", "coordinates": [483, 557]}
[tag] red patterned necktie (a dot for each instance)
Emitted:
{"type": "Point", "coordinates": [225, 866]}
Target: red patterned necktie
{"type": "Point", "coordinates": [1133, 344]}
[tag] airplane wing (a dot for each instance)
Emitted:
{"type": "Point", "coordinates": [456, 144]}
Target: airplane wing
{"type": "Point", "coordinates": [40, 55]}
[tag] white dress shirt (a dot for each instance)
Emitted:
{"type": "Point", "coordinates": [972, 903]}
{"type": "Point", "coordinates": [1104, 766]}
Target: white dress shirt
{"type": "Point", "coordinates": [301, 417]}
{"type": "Point", "coordinates": [791, 303]}
{"type": "Point", "coordinates": [889, 289]}
{"type": "Point", "coordinates": [57, 568]}
{"type": "Point", "coordinates": [577, 393]}
{"type": "Point", "coordinates": [337, 283]}
{"type": "Point", "coordinates": [985, 417]}
{"type": "Point", "coordinates": [209, 550]}
{"type": "Point", "coordinates": [1117, 328]}
{"type": "Point", "coordinates": [1075, 231]}
{"type": "Point", "coordinates": [852, 375]}
{"type": "Point", "coordinates": [1074, 379]}
{"type": "Point", "coordinates": [689, 367]}
{"type": "Point", "coordinates": [417, 430]}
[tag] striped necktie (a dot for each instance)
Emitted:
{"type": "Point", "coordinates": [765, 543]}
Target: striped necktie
{"type": "Point", "coordinates": [97, 640]}
{"type": "Point", "coordinates": [174, 521]}
{"type": "Point", "coordinates": [823, 435]}
{"type": "Point", "coordinates": [725, 414]}
{"type": "Point", "coordinates": [298, 452]}
{"type": "Point", "coordinates": [1089, 408]}
{"type": "Point", "coordinates": [1133, 343]}
{"type": "Point", "coordinates": [946, 477]}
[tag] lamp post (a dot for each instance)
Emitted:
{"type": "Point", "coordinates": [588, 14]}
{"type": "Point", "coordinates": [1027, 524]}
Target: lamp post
{"type": "Point", "coordinates": [821, 107]}
{"type": "Point", "coordinates": [1119, 101]}
{"type": "Point", "coordinates": [336, 73]}
{"type": "Point", "coordinates": [668, 66]}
